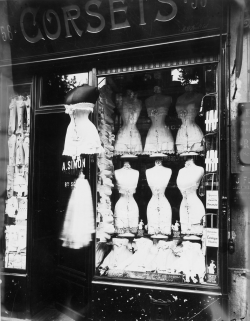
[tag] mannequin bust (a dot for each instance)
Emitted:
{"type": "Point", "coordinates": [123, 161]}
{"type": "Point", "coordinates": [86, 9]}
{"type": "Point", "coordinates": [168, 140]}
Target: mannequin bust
{"type": "Point", "coordinates": [128, 140]}
{"type": "Point", "coordinates": [12, 149]}
{"type": "Point", "coordinates": [191, 209]}
{"type": "Point", "coordinates": [189, 135]}
{"type": "Point", "coordinates": [26, 144]}
{"type": "Point", "coordinates": [159, 138]}
{"type": "Point", "coordinates": [20, 111]}
{"type": "Point", "coordinates": [159, 212]}
{"type": "Point", "coordinates": [19, 150]}
{"type": "Point", "coordinates": [27, 103]}
{"type": "Point", "coordinates": [82, 136]}
{"type": "Point", "coordinates": [12, 118]}
{"type": "Point", "coordinates": [126, 212]}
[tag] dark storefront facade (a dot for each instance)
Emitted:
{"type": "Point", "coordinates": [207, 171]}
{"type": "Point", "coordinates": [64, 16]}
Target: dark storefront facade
{"type": "Point", "coordinates": [160, 189]}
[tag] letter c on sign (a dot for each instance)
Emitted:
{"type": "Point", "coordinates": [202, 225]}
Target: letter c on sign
{"type": "Point", "coordinates": [39, 35]}
{"type": "Point", "coordinates": [171, 16]}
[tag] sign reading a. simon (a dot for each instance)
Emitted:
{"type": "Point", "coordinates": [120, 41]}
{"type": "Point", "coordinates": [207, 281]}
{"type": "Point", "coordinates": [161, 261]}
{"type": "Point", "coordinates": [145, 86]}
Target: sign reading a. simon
{"type": "Point", "coordinates": [35, 29]}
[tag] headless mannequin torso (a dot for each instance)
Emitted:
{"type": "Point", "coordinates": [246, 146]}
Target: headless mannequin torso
{"type": "Point", "coordinates": [189, 135]}
{"type": "Point", "coordinates": [126, 209]}
{"type": "Point", "coordinates": [159, 212]}
{"type": "Point", "coordinates": [128, 139]}
{"type": "Point", "coordinates": [191, 209]}
{"type": "Point", "coordinates": [82, 136]}
{"type": "Point", "coordinates": [159, 138]}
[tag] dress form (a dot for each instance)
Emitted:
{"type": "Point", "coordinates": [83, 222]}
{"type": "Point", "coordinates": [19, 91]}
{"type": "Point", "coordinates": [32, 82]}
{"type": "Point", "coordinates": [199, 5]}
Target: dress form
{"type": "Point", "coordinates": [27, 103]}
{"type": "Point", "coordinates": [159, 138]}
{"type": "Point", "coordinates": [159, 212]}
{"type": "Point", "coordinates": [128, 139]}
{"type": "Point", "coordinates": [126, 212]}
{"type": "Point", "coordinates": [12, 119]}
{"type": "Point", "coordinates": [191, 209]}
{"type": "Point", "coordinates": [19, 150]}
{"type": "Point", "coordinates": [20, 111]}
{"type": "Point", "coordinates": [26, 144]}
{"type": "Point", "coordinates": [82, 136]}
{"type": "Point", "coordinates": [189, 135]}
{"type": "Point", "coordinates": [12, 149]}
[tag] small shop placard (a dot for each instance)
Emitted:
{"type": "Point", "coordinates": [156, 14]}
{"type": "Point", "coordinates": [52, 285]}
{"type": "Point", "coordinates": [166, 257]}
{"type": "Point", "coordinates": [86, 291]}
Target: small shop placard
{"type": "Point", "coordinates": [212, 237]}
{"type": "Point", "coordinates": [212, 200]}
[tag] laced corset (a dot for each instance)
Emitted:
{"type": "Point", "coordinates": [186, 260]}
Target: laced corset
{"type": "Point", "coordinates": [157, 115]}
{"type": "Point", "coordinates": [130, 113]}
{"type": "Point", "coordinates": [158, 191]}
{"type": "Point", "coordinates": [126, 190]}
{"type": "Point", "coordinates": [187, 113]}
{"type": "Point", "coordinates": [189, 190]}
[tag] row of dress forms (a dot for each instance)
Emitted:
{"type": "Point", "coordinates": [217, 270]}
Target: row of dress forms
{"type": "Point", "coordinates": [159, 138]}
{"type": "Point", "coordinates": [159, 212]}
{"type": "Point", "coordinates": [161, 257]}
{"type": "Point", "coordinates": [17, 181]}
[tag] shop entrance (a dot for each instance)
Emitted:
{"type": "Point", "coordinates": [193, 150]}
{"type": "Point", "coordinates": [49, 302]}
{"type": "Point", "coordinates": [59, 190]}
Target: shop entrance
{"type": "Point", "coordinates": [59, 274]}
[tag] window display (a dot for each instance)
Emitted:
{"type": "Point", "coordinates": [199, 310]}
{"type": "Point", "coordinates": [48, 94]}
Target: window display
{"type": "Point", "coordinates": [17, 178]}
{"type": "Point", "coordinates": [161, 160]}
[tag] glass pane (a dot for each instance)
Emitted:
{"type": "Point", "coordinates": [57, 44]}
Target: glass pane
{"type": "Point", "coordinates": [17, 172]}
{"type": "Point", "coordinates": [56, 86]}
{"type": "Point", "coordinates": [157, 181]}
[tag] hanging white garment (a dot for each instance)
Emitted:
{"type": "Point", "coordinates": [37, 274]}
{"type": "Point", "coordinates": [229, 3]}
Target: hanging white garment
{"type": "Point", "coordinates": [79, 219]}
{"type": "Point", "coordinates": [81, 136]}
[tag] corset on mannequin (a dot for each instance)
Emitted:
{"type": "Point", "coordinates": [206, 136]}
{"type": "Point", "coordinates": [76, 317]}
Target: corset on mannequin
{"type": "Point", "coordinates": [189, 135]}
{"type": "Point", "coordinates": [128, 140]}
{"type": "Point", "coordinates": [82, 136]}
{"type": "Point", "coordinates": [191, 209]}
{"type": "Point", "coordinates": [126, 215]}
{"type": "Point", "coordinates": [159, 138]}
{"type": "Point", "coordinates": [159, 212]}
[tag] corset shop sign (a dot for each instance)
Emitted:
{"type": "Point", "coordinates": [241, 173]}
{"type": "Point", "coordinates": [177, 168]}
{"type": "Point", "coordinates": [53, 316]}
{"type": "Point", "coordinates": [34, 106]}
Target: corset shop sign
{"type": "Point", "coordinates": [36, 28]}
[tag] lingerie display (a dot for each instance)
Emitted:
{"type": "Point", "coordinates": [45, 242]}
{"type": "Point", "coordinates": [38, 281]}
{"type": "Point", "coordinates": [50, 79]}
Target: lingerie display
{"type": "Point", "coordinates": [189, 137]}
{"type": "Point", "coordinates": [126, 213]}
{"type": "Point", "coordinates": [159, 138]}
{"type": "Point", "coordinates": [164, 257]}
{"type": "Point", "coordinates": [191, 208]}
{"type": "Point", "coordinates": [17, 182]}
{"type": "Point", "coordinates": [78, 225]}
{"type": "Point", "coordinates": [128, 140]}
{"type": "Point", "coordinates": [81, 136]}
{"type": "Point", "coordinates": [159, 212]}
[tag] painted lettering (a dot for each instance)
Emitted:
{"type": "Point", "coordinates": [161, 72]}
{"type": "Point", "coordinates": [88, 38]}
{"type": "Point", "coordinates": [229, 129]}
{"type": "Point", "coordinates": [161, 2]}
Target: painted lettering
{"type": "Point", "coordinates": [94, 14]}
{"type": "Point", "coordinates": [48, 16]}
{"type": "Point", "coordinates": [113, 10]}
{"type": "Point", "coordinates": [39, 35]}
{"type": "Point", "coordinates": [69, 164]}
{"type": "Point", "coordinates": [171, 16]}
{"type": "Point", "coordinates": [68, 16]}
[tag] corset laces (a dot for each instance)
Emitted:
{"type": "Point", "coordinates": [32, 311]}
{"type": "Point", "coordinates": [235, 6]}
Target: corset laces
{"type": "Point", "coordinates": [185, 192]}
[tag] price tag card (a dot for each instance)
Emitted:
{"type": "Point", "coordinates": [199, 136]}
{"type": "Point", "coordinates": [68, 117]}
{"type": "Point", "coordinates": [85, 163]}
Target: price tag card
{"type": "Point", "coordinates": [212, 199]}
{"type": "Point", "coordinates": [212, 237]}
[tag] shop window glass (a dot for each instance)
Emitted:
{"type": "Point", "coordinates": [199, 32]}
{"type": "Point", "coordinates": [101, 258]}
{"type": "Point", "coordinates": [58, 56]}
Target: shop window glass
{"type": "Point", "coordinates": [17, 173]}
{"type": "Point", "coordinates": [157, 188]}
{"type": "Point", "coordinates": [55, 86]}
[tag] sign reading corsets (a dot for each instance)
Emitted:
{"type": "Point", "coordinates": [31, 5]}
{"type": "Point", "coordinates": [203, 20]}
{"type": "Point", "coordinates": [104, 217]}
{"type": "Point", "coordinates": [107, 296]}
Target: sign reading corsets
{"type": "Point", "coordinates": [38, 29]}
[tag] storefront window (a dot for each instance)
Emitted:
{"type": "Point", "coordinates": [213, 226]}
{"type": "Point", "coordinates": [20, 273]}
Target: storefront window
{"type": "Point", "coordinates": [157, 213]}
{"type": "Point", "coordinates": [17, 177]}
{"type": "Point", "coordinates": [55, 86]}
